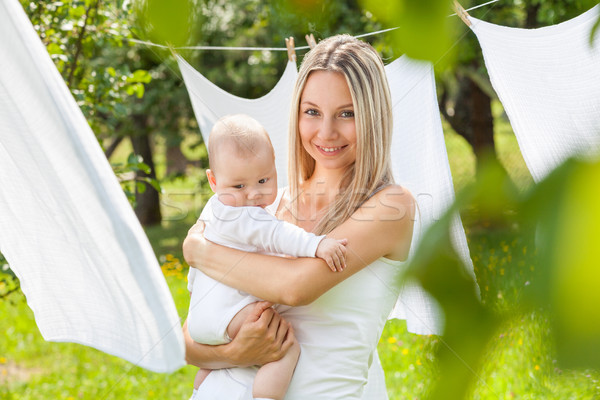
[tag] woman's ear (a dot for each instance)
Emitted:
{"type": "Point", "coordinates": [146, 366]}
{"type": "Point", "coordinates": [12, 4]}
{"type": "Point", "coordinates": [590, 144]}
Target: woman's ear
{"type": "Point", "coordinates": [212, 181]}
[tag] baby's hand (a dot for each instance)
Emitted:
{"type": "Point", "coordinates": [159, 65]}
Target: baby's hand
{"type": "Point", "coordinates": [333, 251]}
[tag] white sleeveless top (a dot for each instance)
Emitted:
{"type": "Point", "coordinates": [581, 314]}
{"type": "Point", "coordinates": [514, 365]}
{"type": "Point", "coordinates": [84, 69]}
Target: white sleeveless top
{"type": "Point", "coordinates": [338, 334]}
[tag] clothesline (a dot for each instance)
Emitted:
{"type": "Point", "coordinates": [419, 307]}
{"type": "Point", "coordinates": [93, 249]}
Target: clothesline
{"type": "Point", "coordinates": [238, 48]}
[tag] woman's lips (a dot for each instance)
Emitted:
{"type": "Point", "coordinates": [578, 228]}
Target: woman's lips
{"type": "Point", "coordinates": [330, 150]}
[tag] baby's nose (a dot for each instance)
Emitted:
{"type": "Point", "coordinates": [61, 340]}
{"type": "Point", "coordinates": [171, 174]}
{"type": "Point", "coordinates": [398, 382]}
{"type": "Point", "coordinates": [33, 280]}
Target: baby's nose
{"type": "Point", "coordinates": [254, 194]}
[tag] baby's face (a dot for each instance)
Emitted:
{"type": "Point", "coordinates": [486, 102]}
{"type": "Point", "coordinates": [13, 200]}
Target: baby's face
{"type": "Point", "coordinates": [247, 181]}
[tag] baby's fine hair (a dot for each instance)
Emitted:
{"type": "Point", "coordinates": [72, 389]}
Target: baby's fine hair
{"type": "Point", "coordinates": [242, 131]}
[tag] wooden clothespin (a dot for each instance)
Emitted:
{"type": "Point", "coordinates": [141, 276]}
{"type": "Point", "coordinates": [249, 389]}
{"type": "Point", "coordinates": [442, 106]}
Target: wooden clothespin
{"type": "Point", "coordinates": [310, 39]}
{"type": "Point", "coordinates": [460, 11]}
{"type": "Point", "coordinates": [289, 43]}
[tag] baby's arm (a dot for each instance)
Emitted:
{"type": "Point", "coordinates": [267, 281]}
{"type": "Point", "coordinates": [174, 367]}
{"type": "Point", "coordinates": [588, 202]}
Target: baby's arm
{"type": "Point", "coordinates": [333, 252]}
{"type": "Point", "coordinates": [256, 227]}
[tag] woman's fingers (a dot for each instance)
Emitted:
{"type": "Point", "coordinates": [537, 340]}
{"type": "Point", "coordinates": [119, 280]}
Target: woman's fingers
{"type": "Point", "coordinates": [259, 309]}
{"type": "Point", "coordinates": [284, 327]}
{"type": "Point", "coordinates": [290, 339]}
{"type": "Point", "coordinates": [261, 337]}
{"type": "Point", "coordinates": [273, 327]}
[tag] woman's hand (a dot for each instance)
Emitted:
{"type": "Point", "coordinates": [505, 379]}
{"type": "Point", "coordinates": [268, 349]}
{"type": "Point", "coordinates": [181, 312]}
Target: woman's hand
{"type": "Point", "coordinates": [194, 244]}
{"type": "Point", "coordinates": [263, 337]}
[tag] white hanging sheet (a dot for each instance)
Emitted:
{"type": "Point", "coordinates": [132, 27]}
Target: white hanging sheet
{"type": "Point", "coordinates": [210, 103]}
{"type": "Point", "coordinates": [66, 228]}
{"type": "Point", "coordinates": [548, 80]}
{"type": "Point", "coordinates": [420, 163]}
{"type": "Point", "coordinates": [419, 156]}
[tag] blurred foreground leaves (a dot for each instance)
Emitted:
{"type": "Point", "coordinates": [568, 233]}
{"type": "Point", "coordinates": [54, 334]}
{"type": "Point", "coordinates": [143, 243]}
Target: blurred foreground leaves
{"type": "Point", "coordinates": [424, 30]}
{"type": "Point", "coordinates": [562, 216]}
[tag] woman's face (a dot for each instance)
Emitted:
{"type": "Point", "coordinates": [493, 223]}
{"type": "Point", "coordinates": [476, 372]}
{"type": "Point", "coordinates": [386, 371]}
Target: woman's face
{"type": "Point", "coordinates": [326, 120]}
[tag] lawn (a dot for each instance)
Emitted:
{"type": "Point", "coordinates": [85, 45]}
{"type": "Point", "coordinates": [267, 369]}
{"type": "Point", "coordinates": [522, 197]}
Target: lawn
{"type": "Point", "coordinates": [519, 364]}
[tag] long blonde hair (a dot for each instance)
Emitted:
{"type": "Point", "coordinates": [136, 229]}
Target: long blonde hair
{"type": "Point", "coordinates": [363, 69]}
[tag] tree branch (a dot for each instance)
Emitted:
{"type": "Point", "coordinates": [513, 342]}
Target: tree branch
{"type": "Point", "coordinates": [78, 45]}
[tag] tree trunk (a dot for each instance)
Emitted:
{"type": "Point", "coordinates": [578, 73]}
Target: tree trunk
{"type": "Point", "coordinates": [472, 117]}
{"type": "Point", "coordinates": [176, 161]}
{"type": "Point", "coordinates": [147, 203]}
{"type": "Point", "coordinates": [531, 21]}
{"type": "Point", "coordinates": [483, 125]}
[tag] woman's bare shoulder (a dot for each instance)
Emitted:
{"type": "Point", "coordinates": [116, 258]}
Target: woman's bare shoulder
{"type": "Point", "coordinates": [391, 203]}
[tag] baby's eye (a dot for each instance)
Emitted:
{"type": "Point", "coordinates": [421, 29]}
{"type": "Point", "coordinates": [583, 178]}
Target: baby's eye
{"type": "Point", "coordinates": [263, 180]}
{"type": "Point", "coordinates": [347, 114]}
{"type": "Point", "coordinates": [239, 186]}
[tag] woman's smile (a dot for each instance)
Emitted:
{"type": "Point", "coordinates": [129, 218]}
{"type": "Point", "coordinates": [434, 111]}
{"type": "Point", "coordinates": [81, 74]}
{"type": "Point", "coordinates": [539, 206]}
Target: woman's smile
{"type": "Point", "coordinates": [331, 150]}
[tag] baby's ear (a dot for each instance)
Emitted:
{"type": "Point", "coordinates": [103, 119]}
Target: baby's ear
{"type": "Point", "coordinates": [212, 181]}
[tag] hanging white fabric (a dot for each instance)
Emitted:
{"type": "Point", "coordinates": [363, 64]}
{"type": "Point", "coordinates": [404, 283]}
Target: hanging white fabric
{"type": "Point", "coordinates": [548, 80]}
{"type": "Point", "coordinates": [210, 103]}
{"type": "Point", "coordinates": [420, 163]}
{"type": "Point", "coordinates": [419, 155]}
{"type": "Point", "coordinates": [66, 228]}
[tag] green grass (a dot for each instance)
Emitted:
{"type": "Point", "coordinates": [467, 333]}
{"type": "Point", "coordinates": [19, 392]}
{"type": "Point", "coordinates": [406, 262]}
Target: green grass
{"type": "Point", "coordinates": [519, 363]}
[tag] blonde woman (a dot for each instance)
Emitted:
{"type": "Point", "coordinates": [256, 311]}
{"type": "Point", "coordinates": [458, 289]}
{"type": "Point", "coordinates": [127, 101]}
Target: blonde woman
{"type": "Point", "coordinates": [340, 185]}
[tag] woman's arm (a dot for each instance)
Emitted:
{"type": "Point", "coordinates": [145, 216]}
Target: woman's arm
{"type": "Point", "coordinates": [264, 337]}
{"type": "Point", "coordinates": [382, 227]}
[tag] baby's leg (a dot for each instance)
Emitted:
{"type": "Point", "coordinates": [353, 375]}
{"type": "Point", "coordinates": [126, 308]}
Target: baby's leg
{"type": "Point", "coordinates": [200, 377]}
{"type": "Point", "coordinates": [273, 379]}
{"type": "Point", "coordinates": [232, 329]}
{"type": "Point", "coordinates": [238, 319]}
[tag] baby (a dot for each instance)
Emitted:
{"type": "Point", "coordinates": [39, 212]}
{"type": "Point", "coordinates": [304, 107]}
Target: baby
{"type": "Point", "coordinates": [244, 179]}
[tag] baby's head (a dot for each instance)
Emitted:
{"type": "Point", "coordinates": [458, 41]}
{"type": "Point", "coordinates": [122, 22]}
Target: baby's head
{"type": "Point", "coordinates": [242, 162]}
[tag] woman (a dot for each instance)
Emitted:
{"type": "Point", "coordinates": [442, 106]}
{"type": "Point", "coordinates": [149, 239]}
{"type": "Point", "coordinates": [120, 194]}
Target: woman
{"type": "Point", "coordinates": [340, 184]}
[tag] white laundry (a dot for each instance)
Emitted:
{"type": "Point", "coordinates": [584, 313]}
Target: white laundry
{"type": "Point", "coordinates": [272, 110]}
{"type": "Point", "coordinates": [420, 161]}
{"type": "Point", "coordinates": [66, 228]}
{"type": "Point", "coordinates": [548, 80]}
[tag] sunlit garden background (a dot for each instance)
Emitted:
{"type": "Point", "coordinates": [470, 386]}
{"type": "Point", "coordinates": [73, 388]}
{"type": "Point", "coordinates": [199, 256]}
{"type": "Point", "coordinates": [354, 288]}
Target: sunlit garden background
{"type": "Point", "coordinates": [136, 103]}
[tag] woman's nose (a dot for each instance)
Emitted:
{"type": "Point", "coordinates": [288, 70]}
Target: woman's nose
{"type": "Point", "coordinates": [328, 129]}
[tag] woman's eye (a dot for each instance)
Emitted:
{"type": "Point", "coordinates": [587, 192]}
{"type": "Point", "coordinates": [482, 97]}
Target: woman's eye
{"type": "Point", "coordinates": [311, 111]}
{"type": "Point", "coordinates": [347, 114]}
{"type": "Point", "coordinates": [263, 180]}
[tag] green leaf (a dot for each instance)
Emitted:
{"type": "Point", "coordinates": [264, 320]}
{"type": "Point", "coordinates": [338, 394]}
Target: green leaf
{"type": "Point", "coordinates": [134, 159]}
{"type": "Point", "coordinates": [139, 90]}
{"type": "Point", "coordinates": [143, 167]}
{"type": "Point", "coordinates": [424, 30]}
{"type": "Point", "coordinates": [140, 187]}
{"type": "Point", "coordinates": [54, 48]}
{"type": "Point", "coordinates": [77, 12]}
{"type": "Point", "coordinates": [168, 21]}
{"type": "Point", "coordinates": [140, 75]}
{"type": "Point", "coordinates": [155, 184]}
{"type": "Point", "coordinates": [570, 252]}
